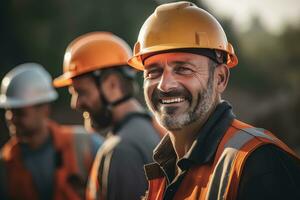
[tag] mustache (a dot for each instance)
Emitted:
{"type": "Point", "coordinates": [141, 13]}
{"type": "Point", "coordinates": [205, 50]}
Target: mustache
{"type": "Point", "coordinates": [158, 94]}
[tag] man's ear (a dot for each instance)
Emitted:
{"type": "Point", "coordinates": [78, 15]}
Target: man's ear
{"type": "Point", "coordinates": [221, 76]}
{"type": "Point", "coordinates": [111, 87]}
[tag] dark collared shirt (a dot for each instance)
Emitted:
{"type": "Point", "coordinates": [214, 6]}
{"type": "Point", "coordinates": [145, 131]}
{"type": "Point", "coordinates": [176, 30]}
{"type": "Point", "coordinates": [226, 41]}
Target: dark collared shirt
{"type": "Point", "coordinates": [126, 179]}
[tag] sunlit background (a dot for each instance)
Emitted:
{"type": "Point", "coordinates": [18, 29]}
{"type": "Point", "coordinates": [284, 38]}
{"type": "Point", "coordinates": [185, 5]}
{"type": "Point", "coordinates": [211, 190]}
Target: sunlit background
{"type": "Point", "coordinates": [274, 15]}
{"type": "Point", "coordinates": [264, 87]}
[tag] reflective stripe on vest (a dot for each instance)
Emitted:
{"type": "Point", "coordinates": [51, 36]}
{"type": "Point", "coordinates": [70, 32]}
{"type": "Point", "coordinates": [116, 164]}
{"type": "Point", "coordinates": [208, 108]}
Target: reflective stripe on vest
{"type": "Point", "coordinates": [95, 189]}
{"type": "Point", "coordinates": [221, 174]}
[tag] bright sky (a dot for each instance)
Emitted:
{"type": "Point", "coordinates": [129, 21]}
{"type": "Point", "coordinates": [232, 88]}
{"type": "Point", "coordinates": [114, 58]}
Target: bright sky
{"type": "Point", "coordinates": [272, 13]}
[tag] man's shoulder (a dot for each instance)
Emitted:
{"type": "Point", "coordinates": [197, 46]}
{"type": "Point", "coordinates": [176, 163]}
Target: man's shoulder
{"type": "Point", "coordinates": [138, 128]}
{"type": "Point", "coordinates": [74, 134]}
{"type": "Point", "coordinates": [137, 121]}
{"type": "Point", "coordinates": [272, 170]}
{"type": "Point", "coordinates": [270, 157]}
{"type": "Point", "coordinates": [68, 130]}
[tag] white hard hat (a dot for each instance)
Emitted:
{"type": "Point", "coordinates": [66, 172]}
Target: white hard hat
{"type": "Point", "coordinates": [25, 85]}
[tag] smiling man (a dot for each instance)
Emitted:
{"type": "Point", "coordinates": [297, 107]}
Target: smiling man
{"type": "Point", "coordinates": [208, 153]}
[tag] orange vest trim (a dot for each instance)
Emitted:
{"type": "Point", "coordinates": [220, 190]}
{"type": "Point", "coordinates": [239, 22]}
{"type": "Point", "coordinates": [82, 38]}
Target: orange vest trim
{"type": "Point", "coordinates": [220, 179]}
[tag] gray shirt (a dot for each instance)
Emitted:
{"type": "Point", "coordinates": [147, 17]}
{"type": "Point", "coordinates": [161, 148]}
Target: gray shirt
{"type": "Point", "coordinates": [126, 178]}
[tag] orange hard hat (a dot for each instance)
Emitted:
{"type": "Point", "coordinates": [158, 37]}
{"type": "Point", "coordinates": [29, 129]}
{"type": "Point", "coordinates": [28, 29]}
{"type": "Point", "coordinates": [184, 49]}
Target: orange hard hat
{"type": "Point", "coordinates": [180, 25]}
{"type": "Point", "coordinates": [90, 52]}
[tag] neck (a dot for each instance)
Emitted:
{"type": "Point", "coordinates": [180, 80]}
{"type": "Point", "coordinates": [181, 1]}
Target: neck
{"type": "Point", "coordinates": [184, 138]}
{"type": "Point", "coordinates": [121, 110]}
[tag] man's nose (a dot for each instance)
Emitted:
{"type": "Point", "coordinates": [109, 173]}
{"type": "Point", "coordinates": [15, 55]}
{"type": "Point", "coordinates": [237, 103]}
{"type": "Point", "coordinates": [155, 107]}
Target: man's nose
{"type": "Point", "coordinates": [167, 81]}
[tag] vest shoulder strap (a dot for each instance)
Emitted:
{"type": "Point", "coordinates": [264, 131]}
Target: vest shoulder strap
{"type": "Point", "coordinates": [234, 153]}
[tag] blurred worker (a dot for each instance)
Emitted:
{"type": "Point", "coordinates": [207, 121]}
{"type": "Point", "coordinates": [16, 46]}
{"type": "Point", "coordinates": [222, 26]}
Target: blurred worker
{"type": "Point", "coordinates": [102, 85]}
{"type": "Point", "coordinates": [208, 153]}
{"type": "Point", "coordinates": [42, 159]}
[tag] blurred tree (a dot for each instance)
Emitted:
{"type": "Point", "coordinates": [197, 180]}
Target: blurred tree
{"type": "Point", "coordinates": [267, 81]}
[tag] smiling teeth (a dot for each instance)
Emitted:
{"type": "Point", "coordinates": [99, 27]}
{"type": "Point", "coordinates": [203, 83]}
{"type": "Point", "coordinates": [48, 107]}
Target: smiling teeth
{"type": "Point", "coordinates": [175, 100]}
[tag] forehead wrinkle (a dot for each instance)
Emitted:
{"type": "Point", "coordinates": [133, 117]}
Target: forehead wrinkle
{"type": "Point", "coordinates": [197, 63]}
{"type": "Point", "coordinates": [164, 62]}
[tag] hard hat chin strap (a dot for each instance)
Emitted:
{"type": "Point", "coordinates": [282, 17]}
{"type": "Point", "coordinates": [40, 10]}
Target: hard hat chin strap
{"type": "Point", "coordinates": [97, 77]}
{"type": "Point", "coordinates": [121, 100]}
{"type": "Point", "coordinates": [107, 118]}
{"type": "Point", "coordinates": [111, 105]}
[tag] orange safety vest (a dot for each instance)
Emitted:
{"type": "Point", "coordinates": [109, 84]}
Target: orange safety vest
{"type": "Point", "coordinates": [220, 179]}
{"type": "Point", "coordinates": [76, 160]}
{"type": "Point", "coordinates": [98, 190]}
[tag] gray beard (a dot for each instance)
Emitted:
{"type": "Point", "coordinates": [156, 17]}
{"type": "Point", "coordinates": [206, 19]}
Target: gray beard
{"type": "Point", "coordinates": [199, 113]}
{"type": "Point", "coordinates": [205, 102]}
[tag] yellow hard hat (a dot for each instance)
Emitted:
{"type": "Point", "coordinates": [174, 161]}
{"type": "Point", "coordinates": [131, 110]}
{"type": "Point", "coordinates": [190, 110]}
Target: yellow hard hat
{"type": "Point", "coordinates": [90, 52]}
{"type": "Point", "coordinates": [180, 25]}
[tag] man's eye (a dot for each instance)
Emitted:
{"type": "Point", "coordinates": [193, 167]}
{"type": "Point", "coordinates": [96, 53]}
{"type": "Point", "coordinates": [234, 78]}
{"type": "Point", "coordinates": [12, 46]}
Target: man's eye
{"type": "Point", "coordinates": [151, 74]}
{"type": "Point", "coordinates": [183, 70]}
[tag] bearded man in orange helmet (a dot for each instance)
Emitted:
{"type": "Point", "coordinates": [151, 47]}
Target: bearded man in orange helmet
{"type": "Point", "coordinates": [102, 85]}
{"type": "Point", "coordinates": [207, 153]}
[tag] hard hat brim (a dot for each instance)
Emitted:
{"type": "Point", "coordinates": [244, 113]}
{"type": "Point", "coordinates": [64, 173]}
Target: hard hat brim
{"type": "Point", "coordinates": [6, 102]}
{"type": "Point", "coordinates": [62, 81]}
{"type": "Point", "coordinates": [137, 60]}
{"type": "Point", "coordinates": [66, 78]}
